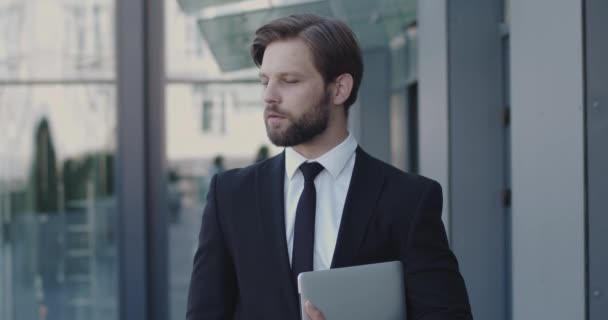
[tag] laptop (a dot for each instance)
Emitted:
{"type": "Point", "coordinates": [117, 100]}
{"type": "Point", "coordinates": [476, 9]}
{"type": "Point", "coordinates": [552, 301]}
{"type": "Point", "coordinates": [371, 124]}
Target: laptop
{"type": "Point", "coordinates": [373, 291]}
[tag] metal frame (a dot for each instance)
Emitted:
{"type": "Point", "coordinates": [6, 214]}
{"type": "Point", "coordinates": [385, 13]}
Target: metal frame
{"type": "Point", "coordinates": [142, 222]}
{"type": "Point", "coordinates": [374, 103]}
{"type": "Point", "coordinates": [58, 81]}
{"type": "Point", "coordinates": [158, 222]}
{"type": "Point", "coordinates": [460, 117]}
{"type": "Point", "coordinates": [477, 153]}
{"type": "Point", "coordinates": [547, 162]}
{"type": "Point", "coordinates": [596, 117]}
{"type": "Point", "coordinates": [433, 113]}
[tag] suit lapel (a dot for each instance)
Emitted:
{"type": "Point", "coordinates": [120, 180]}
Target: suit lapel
{"type": "Point", "coordinates": [270, 182]}
{"type": "Point", "coordinates": [363, 192]}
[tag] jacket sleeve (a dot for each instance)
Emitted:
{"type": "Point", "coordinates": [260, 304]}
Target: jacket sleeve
{"type": "Point", "coordinates": [213, 288]}
{"type": "Point", "coordinates": [435, 289]}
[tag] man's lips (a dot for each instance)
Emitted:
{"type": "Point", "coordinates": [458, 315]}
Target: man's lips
{"type": "Point", "coordinates": [274, 115]}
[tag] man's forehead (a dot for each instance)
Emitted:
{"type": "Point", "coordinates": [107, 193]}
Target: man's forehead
{"type": "Point", "coordinates": [287, 56]}
{"type": "Point", "coordinates": [296, 45]}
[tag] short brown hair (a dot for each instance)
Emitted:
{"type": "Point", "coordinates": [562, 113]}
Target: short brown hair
{"type": "Point", "coordinates": [333, 45]}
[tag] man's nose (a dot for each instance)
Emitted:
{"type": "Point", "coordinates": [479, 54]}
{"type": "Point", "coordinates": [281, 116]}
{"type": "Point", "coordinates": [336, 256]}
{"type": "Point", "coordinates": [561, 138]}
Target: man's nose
{"type": "Point", "coordinates": [271, 94]}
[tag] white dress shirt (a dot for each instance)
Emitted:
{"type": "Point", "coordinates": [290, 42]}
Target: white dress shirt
{"type": "Point", "coordinates": [331, 186]}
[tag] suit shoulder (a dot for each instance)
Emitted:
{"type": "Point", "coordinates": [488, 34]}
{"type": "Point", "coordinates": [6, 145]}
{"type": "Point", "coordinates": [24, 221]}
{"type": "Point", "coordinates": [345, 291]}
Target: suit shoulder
{"type": "Point", "coordinates": [236, 175]}
{"type": "Point", "coordinates": [235, 178]}
{"type": "Point", "coordinates": [397, 176]}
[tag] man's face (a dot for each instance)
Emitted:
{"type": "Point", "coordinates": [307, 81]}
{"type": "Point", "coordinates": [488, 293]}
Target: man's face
{"type": "Point", "coordinates": [297, 102]}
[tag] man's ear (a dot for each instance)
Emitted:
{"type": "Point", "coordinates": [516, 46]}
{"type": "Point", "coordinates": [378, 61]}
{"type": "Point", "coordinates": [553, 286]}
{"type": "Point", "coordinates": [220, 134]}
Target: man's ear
{"type": "Point", "coordinates": [343, 85]}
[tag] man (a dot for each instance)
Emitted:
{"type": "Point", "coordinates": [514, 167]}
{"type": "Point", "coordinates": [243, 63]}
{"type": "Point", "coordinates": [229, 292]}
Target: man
{"type": "Point", "coordinates": [322, 203]}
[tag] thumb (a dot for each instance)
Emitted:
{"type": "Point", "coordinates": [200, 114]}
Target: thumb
{"type": "Point", "coordinates": [312, 311]}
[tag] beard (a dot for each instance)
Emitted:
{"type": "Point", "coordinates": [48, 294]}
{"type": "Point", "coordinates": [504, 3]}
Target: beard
{"type": "Point", "coordinates": [303, 129]}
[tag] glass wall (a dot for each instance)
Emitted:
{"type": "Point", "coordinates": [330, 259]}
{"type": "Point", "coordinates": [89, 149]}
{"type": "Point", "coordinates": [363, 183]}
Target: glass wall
{"type": "Point", "coordinates": [57, 149]}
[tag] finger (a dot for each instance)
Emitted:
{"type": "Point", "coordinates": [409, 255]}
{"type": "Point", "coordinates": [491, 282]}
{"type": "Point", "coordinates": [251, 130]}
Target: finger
{"type": "Point", "coordinates": [312, 312]}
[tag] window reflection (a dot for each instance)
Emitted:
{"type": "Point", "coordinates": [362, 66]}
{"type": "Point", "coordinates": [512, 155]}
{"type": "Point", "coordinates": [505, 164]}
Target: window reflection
{"type": "Point", "coordinates": [210, 128]}
{"type": "Point", "coordinates": [57, 147]}
{"type": "Point", "coordinates": [187, 52]}
{"type": "Point", "coordinates": [11, 33]}
{"type": "Point", "coordinates": [57, 202]}
{"type": "Point", "coordinates": [56, 39]}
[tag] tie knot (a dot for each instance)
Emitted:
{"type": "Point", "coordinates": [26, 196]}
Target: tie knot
{"type": "Point", "coordinates": [310, 170]}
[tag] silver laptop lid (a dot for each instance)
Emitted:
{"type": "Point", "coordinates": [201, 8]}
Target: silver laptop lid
{"type": "Point", "coordinates": [373, 291]}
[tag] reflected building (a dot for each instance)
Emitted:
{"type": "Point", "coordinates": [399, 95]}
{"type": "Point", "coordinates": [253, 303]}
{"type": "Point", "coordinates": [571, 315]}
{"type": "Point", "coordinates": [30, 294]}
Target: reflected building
{"type": "Point", "coordinates": [57, 114]}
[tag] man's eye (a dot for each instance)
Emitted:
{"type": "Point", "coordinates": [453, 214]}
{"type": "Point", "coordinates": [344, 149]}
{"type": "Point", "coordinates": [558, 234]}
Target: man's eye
{"type": "Point", "coordinates": [291, 81]}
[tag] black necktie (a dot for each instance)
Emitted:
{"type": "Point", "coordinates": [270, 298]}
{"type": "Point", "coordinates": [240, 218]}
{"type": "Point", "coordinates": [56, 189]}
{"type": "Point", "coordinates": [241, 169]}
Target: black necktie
{"type": "Point", "coordinates": [304, 230]}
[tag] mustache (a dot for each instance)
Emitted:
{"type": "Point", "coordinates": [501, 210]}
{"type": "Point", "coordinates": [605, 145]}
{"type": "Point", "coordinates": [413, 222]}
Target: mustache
{"type": "Point", "coordinates": [273, 108]}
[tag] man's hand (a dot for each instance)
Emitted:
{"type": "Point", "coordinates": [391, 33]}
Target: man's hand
{"type": "Point", "coordinates": [312, 312]}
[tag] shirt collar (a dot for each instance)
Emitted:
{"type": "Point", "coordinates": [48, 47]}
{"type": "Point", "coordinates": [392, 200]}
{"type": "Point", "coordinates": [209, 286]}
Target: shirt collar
{"type": "Point", "coordinates": [333, 161]}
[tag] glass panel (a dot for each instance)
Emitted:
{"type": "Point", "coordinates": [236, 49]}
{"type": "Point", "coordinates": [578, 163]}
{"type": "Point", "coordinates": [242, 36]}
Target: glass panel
{"type": "Point", "coordinates": [58, 202]}
{"type": "Point", "coordinates": [56, 39]}
{"type": "Point", "coordinates": [210, 128]}
{"type": "Point", "coordinates": [506, 12]}
{"type": "Point", "coordinates": [398, 118]}
{"type": "Point", "coordinates": [195, 5]}
{"type": "Point", "coordinates": [229, 36]}
{"type": "Point", "coordinates": [187, 53]}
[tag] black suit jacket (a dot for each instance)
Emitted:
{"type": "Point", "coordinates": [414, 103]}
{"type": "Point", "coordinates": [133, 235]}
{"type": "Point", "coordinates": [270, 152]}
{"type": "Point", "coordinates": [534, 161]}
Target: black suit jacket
{"type": "Point", "coordinates": [241, 268]}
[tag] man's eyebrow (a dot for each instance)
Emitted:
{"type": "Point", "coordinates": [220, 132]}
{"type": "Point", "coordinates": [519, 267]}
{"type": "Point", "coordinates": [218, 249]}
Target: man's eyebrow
{"type": "Point", "coordinates": [295, 73]}
{"type": "Point", "coordinates": [282, 74]}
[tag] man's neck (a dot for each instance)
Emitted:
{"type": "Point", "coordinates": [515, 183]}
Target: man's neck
{"type": "Point", "coordinates": [322, 143]}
